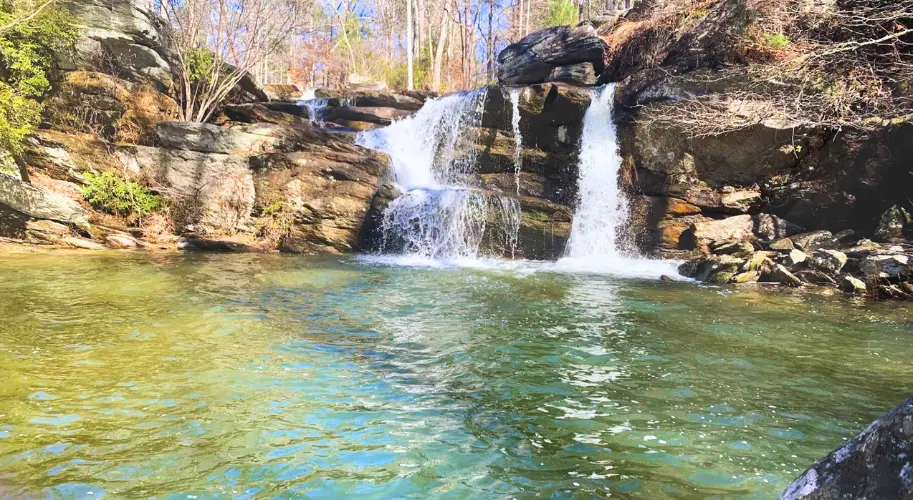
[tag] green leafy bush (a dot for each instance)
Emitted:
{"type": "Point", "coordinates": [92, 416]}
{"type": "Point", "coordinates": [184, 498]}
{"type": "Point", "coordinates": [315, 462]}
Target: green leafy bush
{"type": "Point", "coordinates": [776, 41]}
{"type": "Point", "coordinates": [112, 193]}
{"type": "Point", "coordinates": [561, 13]}
{"type": "Point", "coordinates": [27, 51]}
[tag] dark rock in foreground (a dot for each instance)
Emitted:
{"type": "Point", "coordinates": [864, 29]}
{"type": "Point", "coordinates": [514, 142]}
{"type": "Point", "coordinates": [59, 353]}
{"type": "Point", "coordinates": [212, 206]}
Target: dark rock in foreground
{"type": "Point", "coordinates": [878, 463]}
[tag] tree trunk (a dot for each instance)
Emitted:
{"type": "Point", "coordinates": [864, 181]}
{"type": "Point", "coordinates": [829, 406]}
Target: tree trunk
{"type": "Point", "coordinates": [528, 14]}
{"type": "Point", "coordinates": [410, 82]}
{"type": "Point", "coordinates": [491, 40]}
{"type": "Point", "coordinates": [23, 169]}
{"type": "Point", "coordinates": [467, 48]}
{"type": "Point", "coordinates": [439, 53]}
{"type": "Point", "coordinates": [420, 18]}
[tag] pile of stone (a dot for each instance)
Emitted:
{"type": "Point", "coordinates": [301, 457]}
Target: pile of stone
{"type": "Point", "coordinates": [765, 248]}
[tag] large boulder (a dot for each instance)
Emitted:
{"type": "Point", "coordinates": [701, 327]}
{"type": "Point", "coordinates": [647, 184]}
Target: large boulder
{"type": "Point", "coordinates": [369, 114]}
{"type": "Point", "coordinates": [209, 192]}
{"type": "Point", "coordinates": [206, 138]}
{"type": "Point", "coordinates": [261, 113]}
{"type": "Point", "coordinates": [886, 267]}
{"type": "Point", "coordinates": [121, 37]}
{"type": "Point", "coordinates": [39, 203]}
{"type": "Point", "coordinates": [538, 57]}
{"type": "Point", "coordinates": [876, 463]}
{"type": "Point", "coordinates": [316, 199]}
{"type": "Point", "coordinates": [374, 99]}
{"type": "Point", "coordinates": [891, 224]}
{"type": "Point", "coordinates": [65, 156]}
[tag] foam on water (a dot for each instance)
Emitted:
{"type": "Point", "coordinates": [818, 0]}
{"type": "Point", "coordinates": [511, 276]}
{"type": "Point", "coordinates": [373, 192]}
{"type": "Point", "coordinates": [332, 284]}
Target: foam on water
{"type": "Point", "coordinates": [450, 223]}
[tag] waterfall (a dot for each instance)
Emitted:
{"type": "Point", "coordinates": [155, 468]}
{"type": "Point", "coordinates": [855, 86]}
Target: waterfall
{"type": "Point", "coordinates": [440, 216]}
{"type": "Point", "coordinates": [317, 107]}
{"type": "Point", "coordinates": [602, 208]}
{"type": "Point", "coordinates": [515, 95]}
{"type": "Point", "coordinates": [451, 223]}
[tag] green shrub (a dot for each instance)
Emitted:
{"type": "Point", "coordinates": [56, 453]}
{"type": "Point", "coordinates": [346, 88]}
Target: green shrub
{"type": "Point", "coordinates": [397, 74]}
{"type": "Point", "coordinates": [112, 193]}
{"type": "Point", "coordinates": [27, 55]}
{"type": "Point", "coordinates": [561, 13]}
{"type": "Point", "coordinates": [776, 41]}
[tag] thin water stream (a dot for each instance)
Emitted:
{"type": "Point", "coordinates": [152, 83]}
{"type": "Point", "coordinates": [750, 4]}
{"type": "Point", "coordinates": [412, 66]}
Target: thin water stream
{"type": "Point", "coordinates": [129, 375]}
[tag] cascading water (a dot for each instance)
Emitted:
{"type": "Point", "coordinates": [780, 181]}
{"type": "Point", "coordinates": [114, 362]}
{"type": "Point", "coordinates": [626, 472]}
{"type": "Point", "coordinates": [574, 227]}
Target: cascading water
{"type": "Point", "coordinates": [595, 244]}
{"type": "Point", "coordinates": [515, 95]}
{"type": "Point", "coordinates": [440, 216]}
{"type": "Point", "coordinates": [317, 107]}
{"type": "Point", "coordinates": [602, 207]}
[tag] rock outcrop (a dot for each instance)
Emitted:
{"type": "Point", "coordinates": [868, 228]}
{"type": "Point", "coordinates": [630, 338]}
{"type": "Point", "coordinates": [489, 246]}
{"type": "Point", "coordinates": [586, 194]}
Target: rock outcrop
{"type": "Point", "coordinates": [877, 463]}
{"type": "Point", "coordinates": [121, 37]}
{"type": "Point", "coordinates": [39, 203]}
{"type": "Point", "coordinates": [559, 54]}
{"type": "Point", "coordinates": [317, 198]}
{"type": "Point", "coordinates": [109, 107]}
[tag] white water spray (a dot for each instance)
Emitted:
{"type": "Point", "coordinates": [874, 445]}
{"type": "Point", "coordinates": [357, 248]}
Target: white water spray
{"type": "Point", "coordinates": [440, 216]}
{"type": "Point", "coordinates": [602, 208]}
{"type": "Point", "coordinates": [425, 148]}
{"type": "Point", "coordinates": [515, 95]}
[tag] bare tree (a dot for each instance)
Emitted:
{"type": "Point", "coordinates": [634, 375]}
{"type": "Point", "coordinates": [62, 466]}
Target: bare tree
{"type": "Point", "coordinates": [29, 13]}
{"type": "Point", "coordinates": [218, 42]}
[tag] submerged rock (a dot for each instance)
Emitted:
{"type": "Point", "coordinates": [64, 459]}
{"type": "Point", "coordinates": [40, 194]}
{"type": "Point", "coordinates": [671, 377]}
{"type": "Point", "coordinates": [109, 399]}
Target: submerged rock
{"type": "Point", "coordinates": [890, 292]}
{"type": "Point", "coordinates": [876, 464]}
{"type": "Point", "coordinates": [816, 277]}
{"type": "Point", "coordinates": [83, 243]}
{"type": "Point", "coordinates": [746, 277]}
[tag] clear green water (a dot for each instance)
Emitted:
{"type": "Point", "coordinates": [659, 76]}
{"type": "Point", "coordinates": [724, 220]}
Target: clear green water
{"type": "Point", "coordinates": [177, 376]}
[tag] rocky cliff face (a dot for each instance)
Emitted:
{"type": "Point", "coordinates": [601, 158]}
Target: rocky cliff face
{"type": "Point", "coordinates": [264, 178]}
